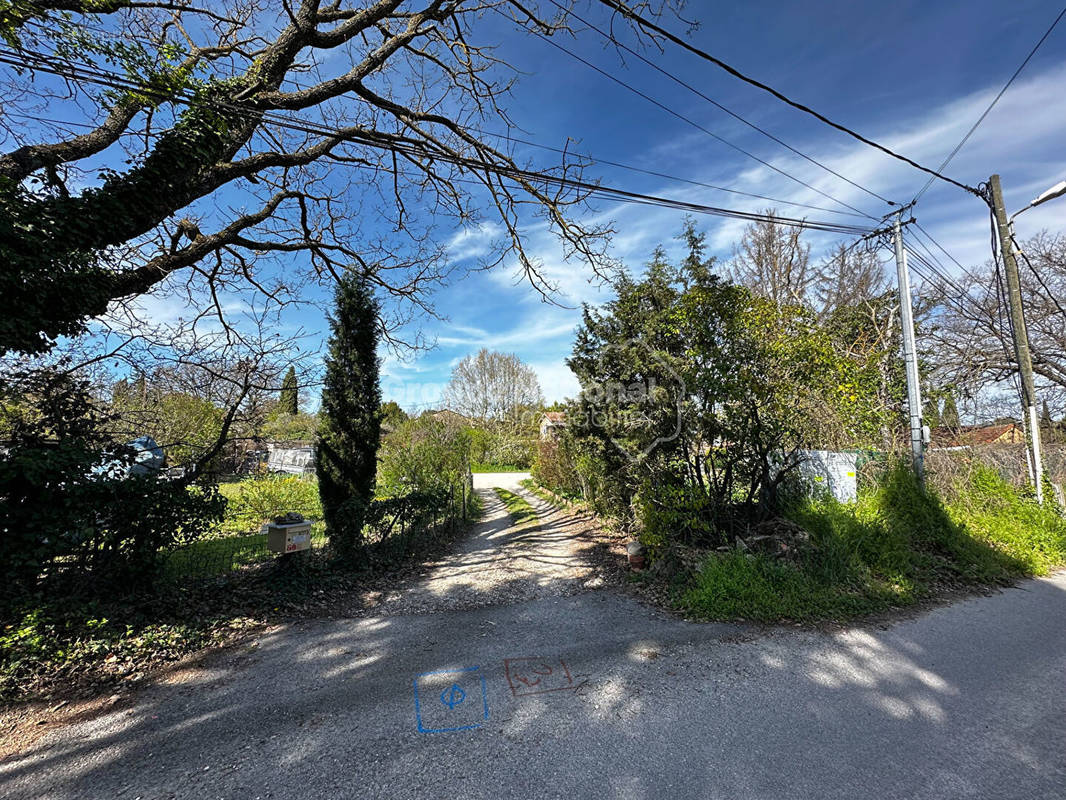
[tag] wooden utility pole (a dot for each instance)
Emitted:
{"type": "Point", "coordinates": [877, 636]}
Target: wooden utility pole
{"type": "Point", "coordinates": [1021, 335]}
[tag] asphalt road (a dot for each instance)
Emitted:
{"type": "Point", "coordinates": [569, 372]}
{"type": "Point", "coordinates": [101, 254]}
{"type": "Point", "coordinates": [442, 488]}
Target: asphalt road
{"type": "Point", "coordinates": [505, 480]}
{"type": "Point", "coordinates": [594, 696]}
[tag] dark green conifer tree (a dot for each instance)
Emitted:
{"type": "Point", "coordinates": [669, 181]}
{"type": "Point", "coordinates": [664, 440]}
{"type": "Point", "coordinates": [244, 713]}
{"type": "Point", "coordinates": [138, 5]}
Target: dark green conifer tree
{"type": "Point", "coordinates": [349, 421]}
{"type": "Point", "coordinates": [289, 402]}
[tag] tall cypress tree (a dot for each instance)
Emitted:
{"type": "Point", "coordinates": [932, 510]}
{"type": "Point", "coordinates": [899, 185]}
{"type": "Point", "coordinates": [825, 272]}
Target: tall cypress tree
{"type": "Point", "coordinates": [349, 422]}
{"type": "Point", "coordinates": [289, 402]}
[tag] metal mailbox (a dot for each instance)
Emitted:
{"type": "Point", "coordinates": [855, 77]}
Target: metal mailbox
{"type": "Point", "coordinates": [290, 537]}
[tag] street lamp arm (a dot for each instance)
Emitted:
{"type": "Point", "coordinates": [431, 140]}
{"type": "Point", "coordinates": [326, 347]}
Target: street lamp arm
{"type": "Point", "coordinates": [1058, 190]}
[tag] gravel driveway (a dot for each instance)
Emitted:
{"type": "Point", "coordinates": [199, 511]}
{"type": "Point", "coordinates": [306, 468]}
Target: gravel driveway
{"type": "Point", "coordinates": [501, 562]}
{"type": "Point", "coordinates": [526, 684]}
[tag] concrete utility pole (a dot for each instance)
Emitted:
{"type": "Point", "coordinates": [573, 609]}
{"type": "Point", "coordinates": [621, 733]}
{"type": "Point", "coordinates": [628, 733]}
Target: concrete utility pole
{"type": "Point", "coordinates": [1021, 335]}
{"type": "Point", "coordinates": [910, 356]}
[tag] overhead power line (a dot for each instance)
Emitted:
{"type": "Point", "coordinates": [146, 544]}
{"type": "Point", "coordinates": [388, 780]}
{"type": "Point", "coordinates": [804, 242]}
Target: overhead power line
{"type": "Point", "coordinates": [666, 176]}
{"type": "Point", "coordinates": [629, 13]}
{"type": "Point", "coordinates": [940, 247]}
{"type": "Point", "coordinates": [692, 122]}
{"type": "Point", "coordinates": [992, 105]}
{"type": "Point", "coordinates": [115, 81]}
{"type": "Point", "coordinates": [1039, 277]}
{"type": "Point", "coordinates": [935, 266]}
{"type": "Point", "coordinates": [637, 54]}
{"type": "Point", "coordinates": [586, 156]}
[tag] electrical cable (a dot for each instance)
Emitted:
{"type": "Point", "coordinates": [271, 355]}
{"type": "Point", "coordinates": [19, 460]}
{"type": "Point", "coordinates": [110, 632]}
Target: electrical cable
{"type": "Point", "coordinates": [666, 176]}
{"type": "Point", "coordinates": [586, 156]}
{"type": "Point", "coordinates": [1039, 277]}
{"type": "Point", "coordinates": [924, 270]}
{"type": "Point", "coordinates": [691, 122]}
{"type": "Point", "coordinates": [627, 12]}
{"type": "Point", "coordinates": [992, 105]}
{"type": "Point", "coordinates": [1001, 302]}
{"type": "Point", "coordinates": [853, 212]}
{"type": "Point", "coordinates": [415, 151]}
{"type": "Point", "coordinates": [940, 247]}
{"type": "Point", "coordinates": [610, 38]}
{"type": "Point", "coordinates": [935, 264]}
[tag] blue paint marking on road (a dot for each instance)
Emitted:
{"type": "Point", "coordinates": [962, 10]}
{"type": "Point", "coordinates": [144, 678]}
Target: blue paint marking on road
{"type": "Point", "coordinates": [453, 695]}
{"type": "Point", "coordinates": [452, 708]}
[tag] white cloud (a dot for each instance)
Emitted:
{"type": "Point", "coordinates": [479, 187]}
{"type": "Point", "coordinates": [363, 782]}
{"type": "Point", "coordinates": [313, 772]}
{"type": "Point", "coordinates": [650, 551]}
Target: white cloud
{"type": "Point", "coordinates": [557, 382]}
{"type": "Point", "coordinates": [550, 324]}
{"type": "Point", "coordinates": [1021, 139]}
{"type": "Point", "coordinates": [473, 242]}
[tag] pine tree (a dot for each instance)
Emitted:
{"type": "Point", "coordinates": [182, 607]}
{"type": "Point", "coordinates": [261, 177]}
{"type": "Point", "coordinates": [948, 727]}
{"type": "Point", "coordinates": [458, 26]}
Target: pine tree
{"type": "Point", "coordinates": [931, 413]}
{"type": "Point", "coordinates": [349, 422]}
{"type": "Point", "coordinates": [1046, 422]}
{"type": "Point", "coordinates": [289, 402]}
{"type": "Point", "coordinates": [949, 417]}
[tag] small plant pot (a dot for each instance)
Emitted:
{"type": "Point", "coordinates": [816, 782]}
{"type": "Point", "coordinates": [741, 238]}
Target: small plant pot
{"type": "Point", "coordinates": [637, 558]}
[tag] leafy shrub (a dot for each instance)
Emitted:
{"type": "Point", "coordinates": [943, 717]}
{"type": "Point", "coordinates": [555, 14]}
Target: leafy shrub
{"type": "Point", "coordinates": [669, 512]}
{"type": "Point", "coordinates": [62, 510]}
{"type": "Point", "coordinates": [555, 468]}
{"type": "Point", "coordinates": [895, 545]}
{"type": "Point", "coordinates": [422, 455]}
{"type": "Point", "coordinates": [255, 500]}
{"type": "Point", "coordinates": [501, 449]}
{"type": "Point", "coordinates": [299, 427]}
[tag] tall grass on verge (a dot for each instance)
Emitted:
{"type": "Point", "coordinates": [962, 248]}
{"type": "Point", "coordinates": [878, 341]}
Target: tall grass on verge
{"type": "Point", "coordinates": [893, 547]}
{"type": "Point", "coordinates": [517, 506]}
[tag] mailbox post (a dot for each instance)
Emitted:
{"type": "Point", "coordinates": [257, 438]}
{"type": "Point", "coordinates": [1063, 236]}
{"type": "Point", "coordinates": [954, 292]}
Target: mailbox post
{"type": "Point", "coordinates": [288, 534]}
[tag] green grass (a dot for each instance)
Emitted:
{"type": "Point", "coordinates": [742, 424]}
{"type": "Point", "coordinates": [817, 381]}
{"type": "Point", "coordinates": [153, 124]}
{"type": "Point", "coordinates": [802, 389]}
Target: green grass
{"type": "Point", "coordinates": [894, 547]}
{"type": "Point", "coordinates": [55, 642]}
{"type": "Point", "coordinates": [531, 485]}
{"type": "Point", "coordinates": [483, 468]}
{"type": "Point", "coordinates": [553, 496]}
{"type": "Point", "coordinates": [207, 558]}
{"type": "Point", "coordinates": [518, 507]}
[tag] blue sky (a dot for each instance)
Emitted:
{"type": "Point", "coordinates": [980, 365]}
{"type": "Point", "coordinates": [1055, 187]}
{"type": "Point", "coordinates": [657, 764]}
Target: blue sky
{"type": "Point", "coordinates": [913, 75]}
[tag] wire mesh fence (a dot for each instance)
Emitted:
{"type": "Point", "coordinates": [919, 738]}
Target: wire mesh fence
{"type": "Point", "coordinates": [1011, 461]}
{"type": "Point", "coordinates": [395, 525]}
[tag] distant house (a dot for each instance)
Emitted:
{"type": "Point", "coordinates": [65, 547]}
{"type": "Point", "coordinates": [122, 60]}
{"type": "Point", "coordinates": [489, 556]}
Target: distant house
{"type": "Point", "coordinates": [979, 435]}
{"type": "Point", "coordinates": [552, 424]}
{"type": "Point", "coordinates": [448, 417]}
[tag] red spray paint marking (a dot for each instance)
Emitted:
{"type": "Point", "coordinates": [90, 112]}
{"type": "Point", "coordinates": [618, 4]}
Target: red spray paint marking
{"type": "Point", "coordinates": [537, 675]}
